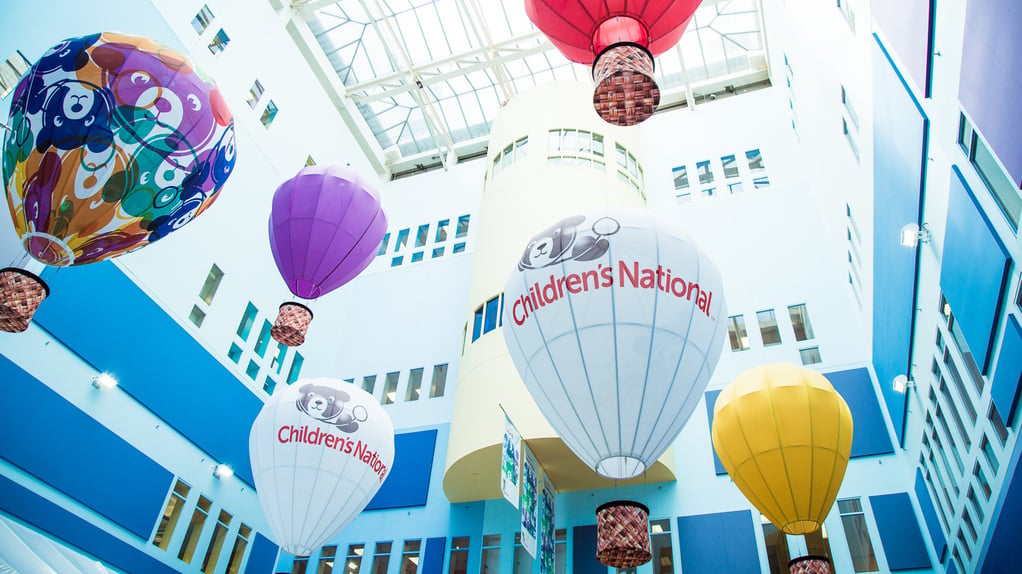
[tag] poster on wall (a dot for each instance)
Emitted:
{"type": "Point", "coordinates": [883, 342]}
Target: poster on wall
{"type": "Point", "coordinates": [546, 527]}
{"type": "Point", "coordinates": [530, 502]}
{"type": "Point", "coordinates": [510, 462]}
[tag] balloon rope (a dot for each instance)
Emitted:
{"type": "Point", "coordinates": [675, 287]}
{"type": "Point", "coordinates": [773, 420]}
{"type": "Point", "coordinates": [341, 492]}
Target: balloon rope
{"type": "Point", "coordinates": [5, 126]}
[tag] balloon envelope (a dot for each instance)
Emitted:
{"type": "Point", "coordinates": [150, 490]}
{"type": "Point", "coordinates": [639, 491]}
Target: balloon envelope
{"type": "Point", "coordinates": [320, 450]}
{"type": "Point", "coordinates": [115, 142]}
{"type": "Point", "coordinates": [326, 225]}
{"type": "Point", "coordinates": [615, 322]}
{"type": "Point", "coordinates": [784, 435]}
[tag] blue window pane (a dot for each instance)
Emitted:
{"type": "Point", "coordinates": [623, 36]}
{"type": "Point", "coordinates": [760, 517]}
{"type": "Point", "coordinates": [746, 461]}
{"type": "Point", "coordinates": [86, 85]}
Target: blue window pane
{"type": "Point", "coordinates": [296, 368]}
{"type": "Point", "coordinates": [417, 256]}
{"type": "Point", "coordinates": [421, 235]}
{"type": "Point", "coordinates": [438, 252]}
{"type": "Point", "coordinates": [462, 226]}
{"type": "Point", "coordinates": [264, 339]}
{"type": "Point", "coordinates": [252, 370]}
{"type": "Point", "coordinates": [269, 385]}
{"type": "Point", "coordinates": [397, 261]}
{"type": "Point", "coordinates": [278, 360]}
{"type": "Point", "coordinates": [477, 324]}
{"type": "Point", "coordinates": [402, 240]}
{"type": "Point", "coordinates": [383, 244]}
{"type": "Point", "coordinates": [441, 230]}
{"type": "Point", "coordinates": [492, 306]}
{"type": "Point", "coordinates": [500, 316]}
{"type": "Point", "coordinates": [245, 327]}
{"type": "Point", "coordinates": [235, 353]}
{"type": "Point", "coordinates": [458, 248]}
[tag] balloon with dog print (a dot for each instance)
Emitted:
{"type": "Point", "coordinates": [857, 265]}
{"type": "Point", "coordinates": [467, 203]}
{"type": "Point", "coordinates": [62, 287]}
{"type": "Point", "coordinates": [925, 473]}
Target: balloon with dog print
{"type": "Point", "coordinates": [320, 450]}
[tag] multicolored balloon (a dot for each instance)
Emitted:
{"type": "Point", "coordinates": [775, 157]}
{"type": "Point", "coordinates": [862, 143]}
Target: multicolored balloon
{"type": "Point", "coordinates": [326, 225]}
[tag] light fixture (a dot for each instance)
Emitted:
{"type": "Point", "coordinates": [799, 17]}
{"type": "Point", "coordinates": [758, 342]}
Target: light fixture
{"type": "Point", "coordinates": [104, 381]}
{"type": "Point", "coordinates": [912, 235]}
{"type": "Point", "coordinates": [902, 384]}
{"type": "Point", "coordinates": [222, 471]}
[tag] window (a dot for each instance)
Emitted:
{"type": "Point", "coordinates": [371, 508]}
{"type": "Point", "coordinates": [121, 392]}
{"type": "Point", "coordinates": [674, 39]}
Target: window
{"type": "Point", "coordinates": [492, 308]}
{"type": "Point", "coordinates": [561, 551]}
{"type": "Point", "coordinates": [660, 540]}
{"type": "Point", "coordinates": [255, 93]}
{"type": "Point", "coordinates": [441, 231]}
{"type": "Point", "coordinates": [216, 542]}
{"type": "Point", "coordinates": [800, 322]}
{"type": "Point", "coordinates": [850, 137]}
{"type": "Point", "coordinates": [817, 544]}
{"type": "Point", "coordinates": [300, 565]}
{"type": "Point", "coordinates": [389, 388]}
{"type": "Point", "coordinates": [202, 20]}
{"type": "Point", "coordinates": [521, 148]}
{"type": "Point", "coordinates": [997, 424]}
{"type": "Point", "coordinates": [417, 256]}
{"type": "Point", "coordinates": [462, 227]}
{"type": "Point", "coordinates": [296, 368]}
{"type": "Point", "coordinates": [410, 557]}
{"type": "Point", "coordinates": [436, 387]}
{"type": "Point", "coordinates": [247, 319]}
{"type": "Point", "coordinates": [381, 557]}
{"type": "Point", "coordinates": [438, 252]}
{"type": "Point", "coordinates": [459, 555]}
{"type": "Point", "coordinates": [768, 327]}
{"type": "Point", "coordinates": [975, 503]}
{"type": "Point", "coordinates": [736, 333]}
{"type": "Point", "coordinates": [458, 248]}
{"type": "Point", "coordinates": [171, 514]}
{"type": "Point", "coordinates": [680, 175]}
{"type": "Point", "coordinates": [477, 323]}
{"type": "Point", "coordinates": [194, 529]}
{"type": "Point", "coordinates": [857, 535]}
{"type": "Point", "coordinates": [421, 235]}
{"type": "Point", "coordinates": [491, 554]}
{"type": "Point", "coordinates": [238, 551]}
{"type": "Point", "coordinates": [848, 105]}
{"type": "Point", "coordinates": [11, 71]}
{"type": "Point", "coordinates": [234, 353]}
{"type": "Point", "coordinates": [705, 173]}
{"type": "Point", "coordinates": [218, 43]}
{"type": "Point", "coordinates": [269, 385]}
{"type": "Point", "coordinates": [353, 562]}
{"type": "Point", "coordinates": [252, 370]}
{"type": "Point", "coordinates": [397, 261]}
{"type": "Point", "coordinates": [369, 383]}
{"type": "Point", "coordinates": [402, 240]}
{"type": "Point", "coordinates": [263, 340]}
{"type": "Point", "coordinates": [759, 176]}
{"type": "Point", "coordinates": [383, 244]}
{"type": "Point", "coordinates": [414, 384]}
{"type": "Point", "coordinates": [523, 561]}
{"type": "Point", "coordinates": [326, 560]}
{"type": "Point", "coordinates": [279, 357]}
{"type": "Point", "coordinates": [197, 316]}
{"type": "Point", "coordinates": [210, 285]}
{"type": "Point", "coordinates": [269, 114]}
{"type": "Point", "coordinates": [846, 11]}
{"type": "Point", "coordinates": [810, 356]}
{"type": "Point", "coordinates": [730, 166]}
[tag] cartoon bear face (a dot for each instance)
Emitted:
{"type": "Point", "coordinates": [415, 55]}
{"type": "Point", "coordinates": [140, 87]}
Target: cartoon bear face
{"type": "Point", "coordinates": [75, 115]}
{"type": "Point", "coordinates": [330, 405]}
{"type": "Point", "coordinates": [566, 241]}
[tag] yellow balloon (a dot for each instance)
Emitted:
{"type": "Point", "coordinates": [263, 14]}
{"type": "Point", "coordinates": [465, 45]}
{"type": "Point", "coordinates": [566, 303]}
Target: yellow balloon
{"type": "Point", "coordinates": [784, 435]}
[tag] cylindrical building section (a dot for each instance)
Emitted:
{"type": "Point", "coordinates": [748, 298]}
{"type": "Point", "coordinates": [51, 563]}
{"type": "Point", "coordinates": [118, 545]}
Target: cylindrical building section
{"type": "Point", "coordinates": [550, 156]}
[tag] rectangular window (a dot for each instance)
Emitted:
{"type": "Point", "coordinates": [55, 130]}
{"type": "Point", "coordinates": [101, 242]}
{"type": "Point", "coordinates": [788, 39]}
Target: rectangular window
{"type": "Point", "coordinates": [326, 560]}
{"type": "Point", "coordinates": [810, 356]}
{"type": "Point", "coordinates": [800, 322]}
{"type": "Point", "coordinates": [11, 71]}
{"type": "Point", "coordinates": [441, 230]}
{"type": "Point", "coordinates": [369, 383]}
{"type": "Point", "coordinates": [491, 554]}
{"type": "Point", "coordinates": [846, 11]}
{"type": "Point", "coordinates": [397, 261]}
{"type": "Point", "coordinates": [975, 503]}
{"type": "Point", "coordinates": [850, 137]}
{"type": "Point", "coordinates": [477, 323]}
{"type": "Point", "coordinates": [197, 316]}
{"type": "Point", "coordinates": [421, 235]}
{"type": "Point", "coordinates": [848, 106]}
{"type": "Point", "coordinates": [210, 285]}
{"type": "Point", "coordinates": [300, 565]}
{"type": "Point", "coordinates": [416, 257]}
{"type": "Point", "coordinates": [459, 555]}
{"type": "Point", "coordinates": [462, 227]}
{"type": "Point", "coordinates": [680, 175]}
{"type": "Point", "coordinates": [857, 535]}
{"type": "Point", "coordinates": [279, 357]}
{"type": "Point", "coordinates": [216, 542]}
{"type": "Point", "coordinates": [218, 43]}
{"type": "Point", "coordinates": [755, 159]}
{"type": "Point", "coordinates": [268, 385]}
{"type": "Point", "coordinates": [402, 240]}
{"type": "Point", "coordinates": [194, 529]}
{"type": "Point", "coordinates": [410, 557]}
{"type": "Point", "coordinates": [436, 387]}
{"type": "Point", "coordinates": [390, 388]}
{"type": "Point", "coordinates": [730, 166]}
{"type": "Point", "coordinates": [255, 93]}
{"type": "Point", "coordinates": [269, 114]}
{"type": "Point", "coordinates": [438, 252]}
{"type": "Point", "coordinates": [561, 551]}
{"type": "Point", "coordinates": [171, 514]}
{"type": "Point", "coordinates": [383, 244]}
{"type": "Point", "coordinates": [492, 308]}
{"type": "Point", "coordinates": [554, 140]}
{"type": "Point", "coordinates": [247, 319]}
{"type": "Point", "coordinates": [263, 340]}
{"type": "Point", "coordinates": [381, 557]}
{"type": "Point", "coordinates": [252, 370]}
{"type": "Point", "coordinates": [704, 171]}
{"type": "Point", "coordinates": [989, 455]}
{"type": "Point", "coordinates": [622, 156]}
{"type": "Point", "coordinates": [414, 385]}
{"type": "Point", "coordinates": [202, 20]}
{"type": "Point", "coordinates": [458, 248]}
{"type": "Point", "coordinates": [521, 148]}
{"type": "Point", "coordinates": [296, 368]}
{"type": "Point", "coordinates": [238, 551]}
{"type": "Point", "coordinates": [768, 327]}
{"type": "Point", "coordinates": [998, 424]}
{"type": "Point", "coordinates": [353, 562]}
{"type": "Point", "coordinates": [660, 540]}
{"type": "Point", "coordinates": [234, 353]}
{"type": "Point", "coordinates": [736, 333]}
{"type": "Point", "coordinates": [1004, 190]}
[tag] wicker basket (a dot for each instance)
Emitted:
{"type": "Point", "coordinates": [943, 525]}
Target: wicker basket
{"type": "Point", "coordinates": [810, 565]}
{"type": "Point", "coordinates": [622, 534]}
{"type": "Point", "coordinates": [21, 293]}
{"type": "Point", "coordinates": [292, 323]}
{"type": "Point", "coordinates": [626, 93]}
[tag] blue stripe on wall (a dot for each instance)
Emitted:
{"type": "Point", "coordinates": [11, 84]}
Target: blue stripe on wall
{"type": "Point", "coordinates": [1008, 376]}
{"type": "Point", "coordinates": [930, 516]}
{"type": "Point", "coordinates": [973, 269]}
{"type": "Point", "coordinates": [899, 143]}
{"type": "Point", "coordinates": [724, 542]}
{"type": "Point", "coordinates": [33, 509]}
{"type": "Point", "coordinates": [583, 554]}
{"type": "Point", "coordinates": [407, 485]}
{"type": "Point", "coordinates": [187, 387]}
{"type": "Point", "coordinates": [263, 556]}
{"type": "Point", "coordinates": [899, 531]}
{"type": "Point", "coordinates": [51, 439]}
{"type": "Point", "coordinates": [433, 556]}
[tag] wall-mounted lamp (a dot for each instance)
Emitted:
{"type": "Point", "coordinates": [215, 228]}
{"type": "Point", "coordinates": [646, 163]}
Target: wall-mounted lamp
{"type": "Point", "coordinates": [222, 471]}
{"type": "Point", "coordinates": [912, 235]}
{"type": "Point", "coordinates": [104, 381]}
{"type": "Point", "coordinates": [902, 384]}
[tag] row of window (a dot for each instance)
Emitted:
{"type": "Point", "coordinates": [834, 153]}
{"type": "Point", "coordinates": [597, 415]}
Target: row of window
{"type": "Point", "coordinates": [996, 179]}
{"type": "Point", "coordinates": [260, 345]}
{"type": "Point", "coordinates": [439, 244]}
{"type": "Point", "coordinates": [850, 123]}
{"type": "Point", "coordinates": [854, 256]}
{"type": "Point", "coordinates": [513, 152]}
{"type": "Point", "coordinates": [584, 148]}
{"type": "Point", "coordinates": [413, 388]}
{"type": "Point", "coordinates": [769, 330]}
{"type": "Point", "coordinates": [732, 181]}
{"type": "Point", "coordinates": [206, 294]}
{"type": "Point", "coordinates": [213, 554]}
{"type": "Point", "coordinates": [486, 318]}
{"type": "Point", "coordinates": [789, 77]}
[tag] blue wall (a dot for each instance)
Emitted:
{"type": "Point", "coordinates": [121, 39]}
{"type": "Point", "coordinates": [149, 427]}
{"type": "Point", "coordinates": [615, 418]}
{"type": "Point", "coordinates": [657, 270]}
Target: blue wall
{"type": "Point", "coordinates": [262, 556]}
{"type": "Point", "coordinates": [407, 484]}
{"type": "Point", "coordinates": [930, 516]}
{"type": "Point", "coordinates": [1008, 376]}
{"type": "Point", "coordinates": [899, 531]}
{"type": "Point", "coordinates": [1004, 552]}
{"type": "Point", "coordinates": [724, 542]}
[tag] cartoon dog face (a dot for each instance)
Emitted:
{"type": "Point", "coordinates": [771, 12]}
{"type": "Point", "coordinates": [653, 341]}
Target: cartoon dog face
{"type": "Point", "coordinates": [565, 241]}
{"type": "Point", "coordinates": [328, 405]}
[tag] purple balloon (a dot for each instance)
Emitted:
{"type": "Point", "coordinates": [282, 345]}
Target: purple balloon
{"type": "Point", "coordinates": [326, 225]}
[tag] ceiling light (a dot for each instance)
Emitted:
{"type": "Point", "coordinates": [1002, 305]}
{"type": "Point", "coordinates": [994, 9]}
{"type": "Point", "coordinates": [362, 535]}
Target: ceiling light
{"type": "Point", "coordinates": [223, 471]}
{"type": "Point", "coordinates": [104, 381]}
{"type": "Point", "coordinates": [912, 235]}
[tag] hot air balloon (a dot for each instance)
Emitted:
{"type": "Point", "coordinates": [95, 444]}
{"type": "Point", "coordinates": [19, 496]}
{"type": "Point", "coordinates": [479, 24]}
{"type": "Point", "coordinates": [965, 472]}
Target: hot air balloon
{"type": "Point", "coordinates": [326, 225]}
{"type": "Point", "coordinates": [115, 142]}
{"type": "Point", "coordinates": [784, 436]}
{"type": "Point", "coordinates": [320, 449]}
{"type": "Point", "coordinates": [619, 38]}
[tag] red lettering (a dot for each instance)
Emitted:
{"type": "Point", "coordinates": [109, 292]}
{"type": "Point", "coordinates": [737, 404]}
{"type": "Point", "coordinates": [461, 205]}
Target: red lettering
{"type": "Point", "coordinates": [585, 280]}
{"type": "Point", "coordinates": [573, 283]}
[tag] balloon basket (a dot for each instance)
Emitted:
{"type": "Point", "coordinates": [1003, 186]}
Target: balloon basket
{"type": "Point", "coordinates": [626, 93]}
{"type": "Point", "coordinates": [810, 565]}
{"type": "Point", "coordinates": [622, 534]}
{"type": "Point", "coordinates": [292, 324]}
{"type": "Point", "coordinates": [21, 293]}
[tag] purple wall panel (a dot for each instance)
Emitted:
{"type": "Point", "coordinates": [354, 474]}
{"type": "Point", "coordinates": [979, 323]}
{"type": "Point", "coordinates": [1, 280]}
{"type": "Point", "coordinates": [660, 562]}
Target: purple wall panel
{"type": "Point", "coordinates": [905, 28]}
{"type": "Point", "coordinates": [991, 78]}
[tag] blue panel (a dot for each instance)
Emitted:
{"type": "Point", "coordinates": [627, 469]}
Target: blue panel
{"type": "Point", "coordinates": [263, 556]}
{"type": "Point", "coordinates": [951, 568]}
{"type": "Point", "coordinates": [870, 436]}
{"type": "Point", "coordinates": [930, 516]}
{"type": "Point", "coordinates": [711, 399]}
{"type": "Point", "coordinates": [583, 553]}
{"type": "Point", "coordinates": [1004, 552]}
{"type": "Point", "coordinates": [33, 509]}
{"type": "Point", "coordinates": [899, 531]}
{"type": "Point", "coordinates": [188, 387]}
{"type": "Point", "coordinates": [408, 482]}
{"type": "Point", "coordinates": [724, 542]}
{"type": "Point", "coordinates": [53, 440]}
{"type": "Point", "coordinates": [1008, 376]}
{"type": "Point", "coordinates": [899, 143]}
{"type": "Point", "coordinates": [433, 556]}
{"type": "Point", "coordinates": [973, 269]}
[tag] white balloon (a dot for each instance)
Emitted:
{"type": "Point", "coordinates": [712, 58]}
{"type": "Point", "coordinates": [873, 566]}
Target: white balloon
{"type": "Point", "coordinates": [320, 450]}
{"type": "Point", "coordinates": [615, 321]}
